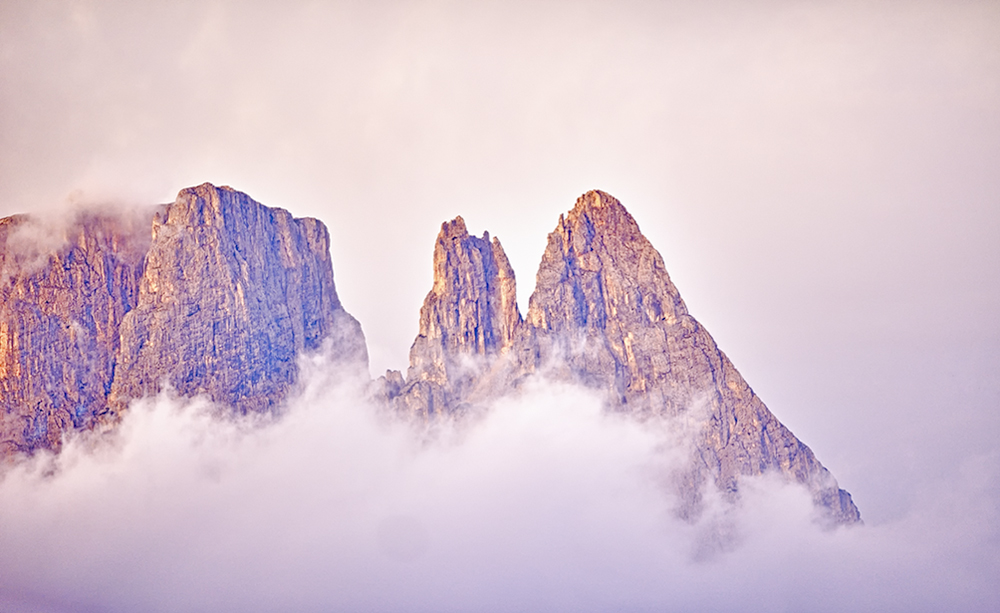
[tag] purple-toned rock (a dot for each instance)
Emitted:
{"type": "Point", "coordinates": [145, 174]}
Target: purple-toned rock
{"type": "Point", "coordinates": [213, 295]}
{"type": "Point", "coordinates": [64, 290]}
{"type": "Point", "coordinates": [232, 292]}
{"type": "Point", "coordinates": [604, 314]}
{"type": "Point", "coordinates": [468, 319]}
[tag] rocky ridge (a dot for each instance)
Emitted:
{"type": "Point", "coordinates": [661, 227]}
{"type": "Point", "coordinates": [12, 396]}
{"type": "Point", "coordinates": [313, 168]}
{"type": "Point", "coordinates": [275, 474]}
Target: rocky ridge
{"type": "Point", "coordinates": [604, 314]}
{"type": "Point", "coordinates": [214, 294]}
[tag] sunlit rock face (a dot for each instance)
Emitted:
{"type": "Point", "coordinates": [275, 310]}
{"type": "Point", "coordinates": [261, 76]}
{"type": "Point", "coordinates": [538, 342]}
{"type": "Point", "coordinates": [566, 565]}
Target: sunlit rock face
{"type": "Point", "coordinates": [214, 294]}
{"type": "Point", "coordinates": [468, 319]}
{"type": "Point", "coordinates": [604, 314]}
{"type": "Point", "coordinates": [232, 292]}
{"type": "Point", "coordinates": [64, 290]}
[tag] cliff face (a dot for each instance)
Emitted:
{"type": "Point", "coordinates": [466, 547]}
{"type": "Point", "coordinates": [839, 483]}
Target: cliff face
{"type": "Point", "coordinates": [468, 318]}
{"type": "Point", "coordinates": [214, 294]}
{"type": "Point", "coordinates": [605, 314]}
{"type": "Point", "coordinates": [604, 304]}
{"type": "Point", "coordinates": [232, 292]}
{"type": "Point", "coordinates": [63, 295]}
{"type": "Point", "coordinates": [217, 294]}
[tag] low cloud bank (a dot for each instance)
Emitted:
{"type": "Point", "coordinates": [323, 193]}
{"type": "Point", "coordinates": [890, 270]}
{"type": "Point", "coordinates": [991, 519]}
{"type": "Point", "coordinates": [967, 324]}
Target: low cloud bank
{"type": "Point", "coordinates": [543, 504]}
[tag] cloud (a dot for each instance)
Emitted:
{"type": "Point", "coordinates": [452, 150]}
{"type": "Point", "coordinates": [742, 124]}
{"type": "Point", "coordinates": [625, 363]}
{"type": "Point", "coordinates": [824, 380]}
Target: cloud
{"type": "Point", "coordinates": [30, 242]}
{"type": "Point", "coordinates": [544, 503]}
{"type": "Point", "coordinates": [821, 181]}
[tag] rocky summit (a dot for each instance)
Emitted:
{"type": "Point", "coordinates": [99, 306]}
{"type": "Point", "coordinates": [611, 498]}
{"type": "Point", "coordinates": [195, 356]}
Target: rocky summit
{"type": "Point", "coordinates": [231, 293]}
{"type": "Point", "coordinates": [604, 314]}
{"type": "Point", "coordinates": [212, 295]}
{"type": "Point", "coordinates": [467, 321]}
{"type": "Point", "coordinates": [216, 295]}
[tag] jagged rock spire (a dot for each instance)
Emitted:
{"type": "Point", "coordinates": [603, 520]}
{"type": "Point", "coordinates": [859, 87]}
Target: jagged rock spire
{"type": "Point", "coordinates": [468, 319]}
{"type": "Point", "coordinates": [471, 311]}
{"type": "Point", "coordinates": [604, 314]}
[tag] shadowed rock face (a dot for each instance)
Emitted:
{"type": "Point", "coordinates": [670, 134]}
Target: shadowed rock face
{"type": "Point", "coordinates": [214, 294]}
{"type": "Point", "coordinates": [232, 292]}
{"type": "Point", "coordinates": [605, 314]}
{"type": "Point", "coordinates": [63, 294]}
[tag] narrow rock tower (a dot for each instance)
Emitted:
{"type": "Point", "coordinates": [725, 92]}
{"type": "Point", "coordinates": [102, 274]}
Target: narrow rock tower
{"type": "Point", "coordinates": [604, 306]}
{"type": "Point", "coordinates": [468, 319]}
{"type": "Point", "coordinates": [605, 315]}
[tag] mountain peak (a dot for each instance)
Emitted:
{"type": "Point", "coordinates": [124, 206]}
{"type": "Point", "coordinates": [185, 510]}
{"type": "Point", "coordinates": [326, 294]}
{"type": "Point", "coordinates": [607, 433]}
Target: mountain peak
{"type": "Point", "coordinates": [604, 314]}
{"type": "Point", "coordinates": [453, 229]}
{"type": "Point", "coordinates": [469, 317]}
{"type": "Point", "coordinates": [215, 294]}
{"type": "Point", "coordinates": [596, 199]}
{"type": "Point", "coordinates": [233, 290]}
{"type": "Point", "coordinates": [598, 213]}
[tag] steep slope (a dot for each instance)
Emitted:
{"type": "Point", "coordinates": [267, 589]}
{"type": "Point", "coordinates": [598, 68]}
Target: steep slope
{"type": "Point", "coordinates": [605, 307]}
{"type": "Point", "coordinates": [468, 318]}
{"type": "Point", "coordinates": [63, 294]}
{"type": "Point", "coordinates": [605, 314]}
{"type": "Point", "coordinates": [214, 294]}
{"type": "Point", "coordinates": [232, 292]}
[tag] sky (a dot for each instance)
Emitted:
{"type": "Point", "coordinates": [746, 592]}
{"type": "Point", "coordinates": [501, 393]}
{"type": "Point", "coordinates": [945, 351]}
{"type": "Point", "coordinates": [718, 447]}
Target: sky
{"type": "Point", "coordinates": [820, 178]}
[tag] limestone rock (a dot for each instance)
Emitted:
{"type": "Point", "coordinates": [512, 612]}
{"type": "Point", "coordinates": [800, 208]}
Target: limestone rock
{"type": "Point", "coordinates": [604, 306]}
{"type": "Point", "coordinates": [214, 294]}
{"type": "Point", "coordinates": [606, 315]}
{"type": "Point", "coordinates": [232, 292]}
{"type": "Point", "coordinates": [64, 290]}
{"type": "Point", "coordinates": [469, 317]}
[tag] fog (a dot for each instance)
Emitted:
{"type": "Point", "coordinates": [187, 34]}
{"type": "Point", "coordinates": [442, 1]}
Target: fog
{"type": "Point", "coordinates": [545, 503]}
{"type": "Point", "coordinates": [820, 178]}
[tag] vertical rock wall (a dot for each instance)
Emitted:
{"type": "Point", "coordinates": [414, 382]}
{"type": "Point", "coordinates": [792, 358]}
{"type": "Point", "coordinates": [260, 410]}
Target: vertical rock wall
{"type": "Point", "coordinates": [214, 294]}
{"type": "Point", "coordinates": [468, 318]}
{"type": "Point", "coordinates": [64, 291]}
{"type": "Point", "coordinates": [606, 315]}
{"type": "Point", "coordinates": [232, 292]}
